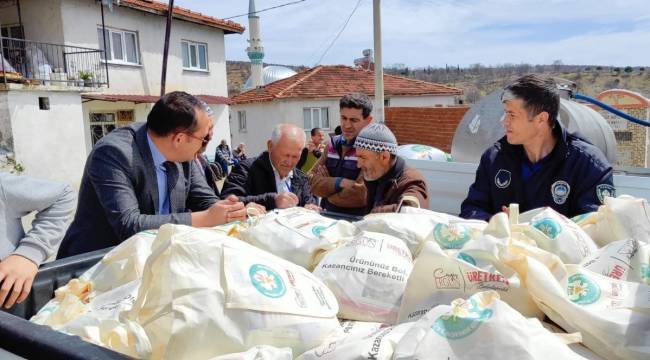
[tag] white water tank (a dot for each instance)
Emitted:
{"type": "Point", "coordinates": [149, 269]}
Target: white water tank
{"type": "Point", "coordinates": [482, 126]}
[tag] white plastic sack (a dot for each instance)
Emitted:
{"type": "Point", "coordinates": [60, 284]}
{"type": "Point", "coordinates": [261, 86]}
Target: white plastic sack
{"type": "Point", "coordinates": [624, 260]}
{"type": "Point", "coordinates": [417, 226]}
{"type": "Point", "coordinates": [261, 352]}
{"type": "Point", "coordinates": [621, 218]}
{"type": "Point", "coordinates": [204, 294]}
{"type": "Point", "coordinates": [363, 341]}
{"type": "Point", "coordinates": [439, 277]}
{"type": "Point", "coordinates": [367, 274]}
{"type": "Point", "coordinates": [89, 307]}
{"type": "Point", "coordinates": [294, 234]}
{"type": "Point", "coordinates": [555, 233]}
{"type": "Point", "coordinates": [612, 315]}
{"type": "Point", "coordinates": [481, 327]}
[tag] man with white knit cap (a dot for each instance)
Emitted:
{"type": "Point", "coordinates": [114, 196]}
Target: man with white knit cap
{"type": "Point", "coordinates": [390, 183]}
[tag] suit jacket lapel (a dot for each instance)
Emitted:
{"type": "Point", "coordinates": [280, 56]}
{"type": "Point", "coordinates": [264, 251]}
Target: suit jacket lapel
{"type": "Point", "coordinates": [151, 182]}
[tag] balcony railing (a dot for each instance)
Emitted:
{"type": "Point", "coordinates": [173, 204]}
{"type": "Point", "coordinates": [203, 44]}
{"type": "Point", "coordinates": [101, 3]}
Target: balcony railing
{"type": "Point", "coordinates": [38, 62]}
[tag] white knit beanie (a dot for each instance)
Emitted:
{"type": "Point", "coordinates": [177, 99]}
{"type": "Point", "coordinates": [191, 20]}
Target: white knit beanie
{"type": "Point", "coordinates": [376, 137]}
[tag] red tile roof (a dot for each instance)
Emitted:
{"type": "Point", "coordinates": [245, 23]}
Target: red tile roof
{"type": "Point", "coordinates": [160, 8]}
{"type": "Point", "coordinates": [334, 81]}
{"type": "Point", "coordinates": [139, 99]}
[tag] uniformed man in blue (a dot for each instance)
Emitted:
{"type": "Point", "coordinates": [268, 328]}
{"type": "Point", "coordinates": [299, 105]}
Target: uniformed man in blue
{"type": "Point", "coordinates": [537, 163]}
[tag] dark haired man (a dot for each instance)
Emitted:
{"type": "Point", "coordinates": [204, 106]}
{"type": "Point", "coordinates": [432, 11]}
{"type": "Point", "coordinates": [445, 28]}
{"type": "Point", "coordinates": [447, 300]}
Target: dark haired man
{"type": "Point", "coordinates": [142, 176]}
{"type": "Point", "coordinates": [537, 163]}
{"type": "Point", "coordinates": [334, 176]}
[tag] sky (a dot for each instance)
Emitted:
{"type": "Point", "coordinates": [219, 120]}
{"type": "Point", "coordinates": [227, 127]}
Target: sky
{"type": "Point", "coordinates": [419, 33]}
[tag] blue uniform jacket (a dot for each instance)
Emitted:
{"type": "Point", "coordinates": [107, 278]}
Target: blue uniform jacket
{"type": "Point", "coordinates": [573, 179]}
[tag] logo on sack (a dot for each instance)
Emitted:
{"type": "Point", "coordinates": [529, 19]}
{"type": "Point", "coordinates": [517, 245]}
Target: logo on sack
{"type": "Point", "coordinates": [548, 226]}
{"type": "Point", "coordinates": [452, 236]}
{"type": "Point", "coordinates": [645, 273]}
{"type": "Point", "coordinates": [267, 281]}
{"type": "Point", "coordinates": [466, 258]}
{"type": "Point", "coordinates": [605, 190]}
{"type": "Point", "coordinates": [560, 191]}
{"type": "Point", "coordinates": [582, 290]}
{"type": "Point", "coordinates": [502, 178]}
{"type": "Point", "coordinates": [464, 319]}
{"type": "Point", "coordinates": [444, 280]}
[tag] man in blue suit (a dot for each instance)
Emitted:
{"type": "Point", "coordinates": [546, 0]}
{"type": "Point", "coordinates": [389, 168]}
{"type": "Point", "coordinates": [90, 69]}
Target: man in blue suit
{"type": "Point", "coordinates": [142, 176]}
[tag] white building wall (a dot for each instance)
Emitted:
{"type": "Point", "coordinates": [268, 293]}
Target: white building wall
{"type": "Point", "coordinates": [221, 129]}
{"type": "Point", "coordinates": [145, 78]}
{"type": "Point", "coordinates": [261, 118]}
{"type": "Point", "coordinates": [421, 101]}
{"type": "Point", "coordinates": [41, 19]}
{"type": "Point", "coordinates": [48, 143]}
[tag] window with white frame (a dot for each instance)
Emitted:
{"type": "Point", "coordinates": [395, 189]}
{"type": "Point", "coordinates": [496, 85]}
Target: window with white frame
{"type": "Point", "coordinates": [195, 55]}
{"type": "Point", "coordinates": [316, 117]}
{"type": "Point", "coordinates": [241, 118]}
{"type": "Point", "coordinates": [100, 125]}
{"type": "Point", "coordinates": [121, 46]}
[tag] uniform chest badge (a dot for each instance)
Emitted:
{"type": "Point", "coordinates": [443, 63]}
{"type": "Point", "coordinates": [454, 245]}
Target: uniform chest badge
{"type": "Point", "coordinates": [560, 191]}
{"type": "Point", "coordinates": [502, 178]}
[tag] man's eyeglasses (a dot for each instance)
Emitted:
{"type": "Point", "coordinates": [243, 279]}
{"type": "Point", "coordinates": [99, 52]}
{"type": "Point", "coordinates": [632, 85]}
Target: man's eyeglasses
{"type": "Point", "coordinates": [204, 141]}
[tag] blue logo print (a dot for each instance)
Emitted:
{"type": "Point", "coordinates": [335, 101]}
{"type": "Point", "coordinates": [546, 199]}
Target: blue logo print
{"type": "Point", "coordinates": [466, 258]}
{"type": "Point", "coordinates": [548, 226]}
{"type": "Point", "coordinates": [582, 290]}
{"type": "Point", "coordinates": [267, 281]}
{"type": "Point", "coordinates": [318, 229]}
{"type": "Point", "coordinates": [452, 236]}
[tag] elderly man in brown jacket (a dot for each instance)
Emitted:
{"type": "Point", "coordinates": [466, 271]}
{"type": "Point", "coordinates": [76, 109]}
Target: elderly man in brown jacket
{"type": "Point", "coordinates": [389, 183]}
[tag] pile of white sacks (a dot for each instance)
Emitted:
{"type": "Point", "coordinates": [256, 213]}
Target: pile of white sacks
{"type": "Point", "coordinates": [413, 285]}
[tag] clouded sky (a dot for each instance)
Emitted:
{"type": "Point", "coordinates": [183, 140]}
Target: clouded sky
{"type": "Point", "coordinates": [438, 32]}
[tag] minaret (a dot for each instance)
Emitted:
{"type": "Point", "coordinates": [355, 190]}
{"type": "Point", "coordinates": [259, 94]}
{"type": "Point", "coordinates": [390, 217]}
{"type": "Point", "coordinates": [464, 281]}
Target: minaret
{"type": "Point", "coordinates": [255, 50]}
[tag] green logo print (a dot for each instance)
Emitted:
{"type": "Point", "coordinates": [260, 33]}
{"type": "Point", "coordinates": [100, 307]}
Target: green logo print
{"type": "Point", "coordinates": [463, 320]}
{"type": "Point", "coordinates": [548, 226]}
{"type": "Point", "coordinates": [582, 290]}
{"type": "Point", "coordinates": [452, 236]}
{"type": "Point", "coordinates": [267, 281]}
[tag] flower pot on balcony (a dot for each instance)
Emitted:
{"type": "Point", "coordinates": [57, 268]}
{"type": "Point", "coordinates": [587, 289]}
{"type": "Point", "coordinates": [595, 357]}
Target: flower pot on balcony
{"type": "Point", "coordinates": [88, 82]}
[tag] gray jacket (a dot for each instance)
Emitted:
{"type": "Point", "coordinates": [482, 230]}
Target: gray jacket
{"type": "Point", "coordinates": [118, 196]}
{"type": "Point", "coordinates": [20, 195]}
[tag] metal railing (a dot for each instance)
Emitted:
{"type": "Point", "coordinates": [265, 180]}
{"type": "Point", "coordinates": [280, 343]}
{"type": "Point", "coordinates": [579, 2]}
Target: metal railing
{"type": "Point", "coordinates": [64, 65]}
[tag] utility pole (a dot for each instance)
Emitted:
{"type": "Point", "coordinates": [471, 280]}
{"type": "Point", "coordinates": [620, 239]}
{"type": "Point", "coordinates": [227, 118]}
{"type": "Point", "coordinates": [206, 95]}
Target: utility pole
{"type": "Point", "coordinates": [379, 68]}
{"type": "Point", "coordinates": [163, 79]}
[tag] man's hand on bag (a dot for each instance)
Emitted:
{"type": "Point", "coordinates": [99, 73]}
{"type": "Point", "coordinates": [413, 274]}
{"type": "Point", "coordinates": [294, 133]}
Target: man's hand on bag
{"type": "Point", "coordinates": [313, 207]}
{"type": "Point", "coordinates": [17, 275]}
{"type": "Point", "coordinates": [227, 210]}
{"type": "Point", "coordinates": [286, 200]}
{"type": "Point", "coordinates": [255, 209]}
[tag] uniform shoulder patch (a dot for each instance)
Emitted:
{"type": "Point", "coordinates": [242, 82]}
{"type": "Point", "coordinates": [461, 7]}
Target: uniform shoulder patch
{"type": "Point", "coordinates": [605, 190]}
